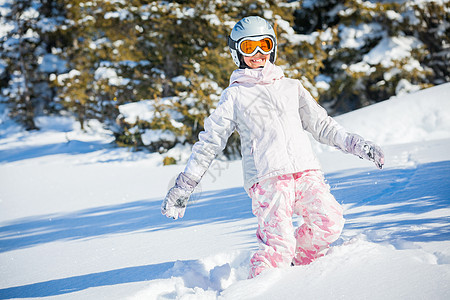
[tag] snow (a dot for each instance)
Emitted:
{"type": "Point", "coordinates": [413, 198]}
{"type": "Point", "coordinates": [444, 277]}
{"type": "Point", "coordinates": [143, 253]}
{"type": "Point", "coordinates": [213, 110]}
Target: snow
{"type": "Point", "coordinates": [121, 14]}
{"type": "Point", "coordinates": [110, 74]}
{"type": "Point", "coordinates": [80, 219]}
{"type": "Point", "coordinates": [398, 121]}
{"type": "Point", "coordinates": [391, 48]}
{"type": "Point", "coordinates": [362, 67]}
{"type": "Point", "coordinates": [155, 135]}
{"type": "Point", "coordinates": [355, 37]}
{"type": "Point", "coordinates": [61, 78]}
{"type": "Point", "coordinates": [144, 111]}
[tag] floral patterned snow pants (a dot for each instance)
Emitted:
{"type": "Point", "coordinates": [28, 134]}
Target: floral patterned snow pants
{"type": "Point", "coordinates": [274, 201]}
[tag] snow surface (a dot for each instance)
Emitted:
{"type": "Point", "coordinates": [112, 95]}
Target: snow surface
{"type": "Point", "coordinates": [80, 219]}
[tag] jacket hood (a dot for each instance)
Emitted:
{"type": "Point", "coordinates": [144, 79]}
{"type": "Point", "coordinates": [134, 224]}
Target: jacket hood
{"type": "Point", "coordinates": [265, 75]}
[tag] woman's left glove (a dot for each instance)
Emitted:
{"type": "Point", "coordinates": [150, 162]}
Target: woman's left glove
{"type": "Point", "coordinates": [174, 205]}
{"type": "Point", "coordinates": [356, 145]}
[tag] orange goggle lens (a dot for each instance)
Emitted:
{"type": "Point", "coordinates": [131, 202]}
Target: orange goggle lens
{"type": "Point", "coordinates": [248, 47]}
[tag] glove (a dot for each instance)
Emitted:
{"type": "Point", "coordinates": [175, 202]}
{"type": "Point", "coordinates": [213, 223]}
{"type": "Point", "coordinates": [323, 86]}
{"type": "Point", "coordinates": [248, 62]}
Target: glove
{"type": "Point", "coordinates": [356, 145]}
{"type": "Point", "coordinates": [174, 205]}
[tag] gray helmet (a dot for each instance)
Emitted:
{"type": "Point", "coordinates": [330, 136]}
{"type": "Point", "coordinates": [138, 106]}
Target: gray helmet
{"type": "Point", "coordinates": [252, 28]}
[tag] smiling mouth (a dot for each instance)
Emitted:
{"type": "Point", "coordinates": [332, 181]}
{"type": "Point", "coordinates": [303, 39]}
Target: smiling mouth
{"type": "Point", "coordinates": [259, 60]}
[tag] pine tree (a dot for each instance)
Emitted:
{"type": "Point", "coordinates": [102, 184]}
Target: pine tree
{"type": "Point", "coordinates": [430, 22]}
{"type": "Point", "coordinates": [354, 76]}
{"type": "Point", "coordinates": [24, 49]}
{"type": "Point", "coordinates": [86, 47]}
{"type": "Point", "coordinates": [174, 40]}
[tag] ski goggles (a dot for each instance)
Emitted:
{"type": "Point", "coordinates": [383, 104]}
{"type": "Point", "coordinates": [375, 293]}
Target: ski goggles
{"type": "Point", "coordinates": [249, 46]}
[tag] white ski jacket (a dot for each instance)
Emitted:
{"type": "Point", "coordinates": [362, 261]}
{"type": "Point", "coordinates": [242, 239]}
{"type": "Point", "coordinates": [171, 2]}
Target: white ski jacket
{"type": "Point", "coordinates": [271, 114]}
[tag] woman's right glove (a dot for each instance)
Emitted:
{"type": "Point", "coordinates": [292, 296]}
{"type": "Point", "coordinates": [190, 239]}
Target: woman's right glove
{"type": "Point", "coordinates": [174, 205]}
{"type": "Point", "coordinates": [356, 145]}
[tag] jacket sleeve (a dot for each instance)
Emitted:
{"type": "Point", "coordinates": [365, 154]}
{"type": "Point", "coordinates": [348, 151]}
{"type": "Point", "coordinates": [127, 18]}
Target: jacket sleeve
{"type": "Point", "coordinates": [217, 129]}
{"type": "Point", "coordinates": [316, 121]}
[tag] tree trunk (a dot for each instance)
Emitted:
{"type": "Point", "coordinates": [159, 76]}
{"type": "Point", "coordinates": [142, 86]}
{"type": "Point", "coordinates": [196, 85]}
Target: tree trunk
{"type": "Point", "coordinates": [28, 116]}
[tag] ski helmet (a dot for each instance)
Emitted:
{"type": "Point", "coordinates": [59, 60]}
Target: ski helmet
{"type": "Point", "coordinates": [254, 29]}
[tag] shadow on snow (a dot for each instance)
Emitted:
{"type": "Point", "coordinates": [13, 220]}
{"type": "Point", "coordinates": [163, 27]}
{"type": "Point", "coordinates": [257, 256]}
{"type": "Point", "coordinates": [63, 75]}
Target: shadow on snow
{"type": "Point", "coordinates": [79, 283]}
{"type": "Point", "coordinates": [216, 206]}
{"type": "Point", "coordinates": [72, 147]}
{"type": "Point", "coordinates": [399, 201]}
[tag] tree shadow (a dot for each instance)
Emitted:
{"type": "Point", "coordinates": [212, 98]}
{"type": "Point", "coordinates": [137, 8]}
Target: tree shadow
{"type": "Point", "coordinates": [72, 147]}
{"type": "Point", "coordinates": [211, 207]}
{"type": "Point", "coordinates": [400, 201]}
{"type": "Point", "coordinates": [82, 282]}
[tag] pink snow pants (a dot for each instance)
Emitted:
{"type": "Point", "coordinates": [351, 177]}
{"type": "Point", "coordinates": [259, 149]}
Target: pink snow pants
{"type": "Point", "coordinates": [274, 201]}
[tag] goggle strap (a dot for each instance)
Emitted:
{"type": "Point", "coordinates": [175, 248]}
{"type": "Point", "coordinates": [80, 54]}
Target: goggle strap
{"type": "Point", "coordinates": [231, 43]}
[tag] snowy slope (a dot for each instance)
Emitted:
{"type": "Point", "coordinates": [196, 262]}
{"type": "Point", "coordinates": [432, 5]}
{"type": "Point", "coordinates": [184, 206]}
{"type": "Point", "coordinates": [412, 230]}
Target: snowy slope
{"type": "Point", "coordinates": [80, 219]}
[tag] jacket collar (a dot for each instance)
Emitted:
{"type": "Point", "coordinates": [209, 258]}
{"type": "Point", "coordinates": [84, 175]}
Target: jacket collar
{"type": "Point", "coordinates": [266, 75]}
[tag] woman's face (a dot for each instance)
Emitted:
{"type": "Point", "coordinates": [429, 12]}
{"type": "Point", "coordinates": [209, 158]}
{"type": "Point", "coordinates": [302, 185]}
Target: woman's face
{"type": "Point", "coordinates": [256, 61]}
